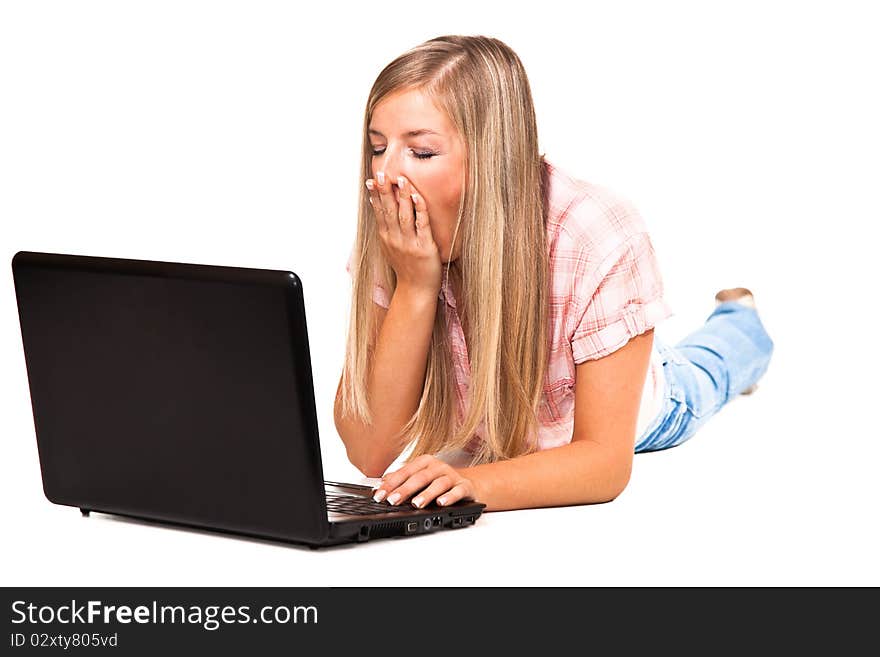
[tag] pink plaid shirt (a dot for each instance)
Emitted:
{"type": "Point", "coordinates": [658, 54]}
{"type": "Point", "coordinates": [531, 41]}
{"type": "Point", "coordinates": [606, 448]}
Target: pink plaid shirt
{"type": "Point", "coordinates": [605, 288]}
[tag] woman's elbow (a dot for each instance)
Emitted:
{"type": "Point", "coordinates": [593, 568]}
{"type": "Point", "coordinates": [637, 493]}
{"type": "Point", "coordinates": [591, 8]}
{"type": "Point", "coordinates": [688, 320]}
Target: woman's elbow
{"type": "Point", "coordinates": [368, 467]}
{"type": "Point", "coordinates": [618, 480]}
{"type": "Point", "coordinates": [617, 489]}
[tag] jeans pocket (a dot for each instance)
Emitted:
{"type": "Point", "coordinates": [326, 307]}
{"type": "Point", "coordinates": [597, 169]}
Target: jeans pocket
{"type": "Point", "coordinates": [674, 389]}
{"type": "Point", "coordinates": [685, 388]}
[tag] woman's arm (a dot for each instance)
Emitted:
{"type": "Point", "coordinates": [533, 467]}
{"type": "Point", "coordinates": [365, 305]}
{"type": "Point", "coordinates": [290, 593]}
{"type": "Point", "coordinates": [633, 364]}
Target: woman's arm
{"type": "Point", "coordinates": [397, 376]}
{"type": "Point", "coordinates": [595, 467]}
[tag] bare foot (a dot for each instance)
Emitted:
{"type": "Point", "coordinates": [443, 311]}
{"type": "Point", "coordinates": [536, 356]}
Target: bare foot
{"type": "Point", "coordinates": [739, 294]}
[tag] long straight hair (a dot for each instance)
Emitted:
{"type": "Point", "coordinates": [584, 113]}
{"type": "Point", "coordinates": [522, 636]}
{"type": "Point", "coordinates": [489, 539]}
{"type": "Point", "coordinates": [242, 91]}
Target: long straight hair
{"type": "Point", "coordinates": [503, 265]}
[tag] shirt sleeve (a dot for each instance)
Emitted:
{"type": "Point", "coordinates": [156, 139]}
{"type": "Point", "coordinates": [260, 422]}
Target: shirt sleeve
{"type": "Point", "coordinates": [380, 295]}
{"type": "Point", "coordinates": [627, 301]}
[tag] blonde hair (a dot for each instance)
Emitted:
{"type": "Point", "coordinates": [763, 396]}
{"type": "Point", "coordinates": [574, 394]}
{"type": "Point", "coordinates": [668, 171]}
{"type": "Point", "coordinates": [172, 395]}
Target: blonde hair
{"type": "Point", "coordinates": [482, 86]}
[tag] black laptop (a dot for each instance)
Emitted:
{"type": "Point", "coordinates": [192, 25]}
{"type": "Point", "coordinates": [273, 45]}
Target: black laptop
{"type": "Point", "coordinates": [183, 394]}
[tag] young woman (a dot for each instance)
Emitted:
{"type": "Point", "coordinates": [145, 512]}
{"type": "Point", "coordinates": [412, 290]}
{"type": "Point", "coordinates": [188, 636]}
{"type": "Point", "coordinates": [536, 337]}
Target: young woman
{"type": "Point", "coordinates": [504, 310]}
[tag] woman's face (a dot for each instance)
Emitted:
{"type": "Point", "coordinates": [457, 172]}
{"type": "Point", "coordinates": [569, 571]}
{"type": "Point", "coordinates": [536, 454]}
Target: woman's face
{"type": "Point", "coordinates": [410, 137]}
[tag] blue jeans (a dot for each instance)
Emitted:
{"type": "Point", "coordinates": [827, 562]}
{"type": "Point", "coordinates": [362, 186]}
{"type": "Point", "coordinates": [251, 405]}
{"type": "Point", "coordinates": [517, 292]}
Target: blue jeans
{"type": "Point", "coordinates": [712, 365]}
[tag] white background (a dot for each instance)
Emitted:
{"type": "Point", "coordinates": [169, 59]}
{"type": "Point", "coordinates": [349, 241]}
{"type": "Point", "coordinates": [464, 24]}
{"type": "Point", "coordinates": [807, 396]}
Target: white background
{"type": "Point", "coordinates": [228, 133]}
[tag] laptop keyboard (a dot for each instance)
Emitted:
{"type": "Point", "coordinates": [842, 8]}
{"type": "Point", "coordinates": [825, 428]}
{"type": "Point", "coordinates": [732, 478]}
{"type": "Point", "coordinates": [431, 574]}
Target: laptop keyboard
{"type": "Point", "coordinates": [362, 506]}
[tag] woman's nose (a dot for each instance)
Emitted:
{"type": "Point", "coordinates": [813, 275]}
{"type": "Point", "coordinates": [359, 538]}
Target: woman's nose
{"type": "Point", "coordinates": [391, 164]}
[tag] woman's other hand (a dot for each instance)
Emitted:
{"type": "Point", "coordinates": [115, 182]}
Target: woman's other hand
{"type": "Point", "coordinates": [405, 234]}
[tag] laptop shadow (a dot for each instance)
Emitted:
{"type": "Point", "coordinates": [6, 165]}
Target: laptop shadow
{"type": "Point", "coordinates": [222, 533]}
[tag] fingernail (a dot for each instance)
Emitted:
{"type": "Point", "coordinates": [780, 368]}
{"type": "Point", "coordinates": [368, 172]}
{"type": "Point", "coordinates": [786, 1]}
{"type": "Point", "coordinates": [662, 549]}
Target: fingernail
{"type": "Point", "coordinates": [417, 502]}
{"type": "Point", "coordinates": [394, 498]}
{"type": "Point", "coordinates": [415, 198]}
{"type": "Point", "coordinates": [380, 176]}
{"type": "Point", "coordinates": [370, 184]}
{"type": "Point", "coordinates": [380, 496]}
{"type": "Point", "coordinates": [400, 181]}
{"type": "Point", "coordinates": [441, 501]}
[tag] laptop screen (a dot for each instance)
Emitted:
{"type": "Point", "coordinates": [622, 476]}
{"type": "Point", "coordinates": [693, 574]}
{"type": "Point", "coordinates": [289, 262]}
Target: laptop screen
{"type": "Point", "coordinates": [171, 391]}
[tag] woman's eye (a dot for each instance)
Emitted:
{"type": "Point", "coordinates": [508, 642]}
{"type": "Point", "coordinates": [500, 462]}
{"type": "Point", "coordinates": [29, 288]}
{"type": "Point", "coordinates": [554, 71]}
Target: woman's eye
{"type": "Point", "coordinates": [420, 155]}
